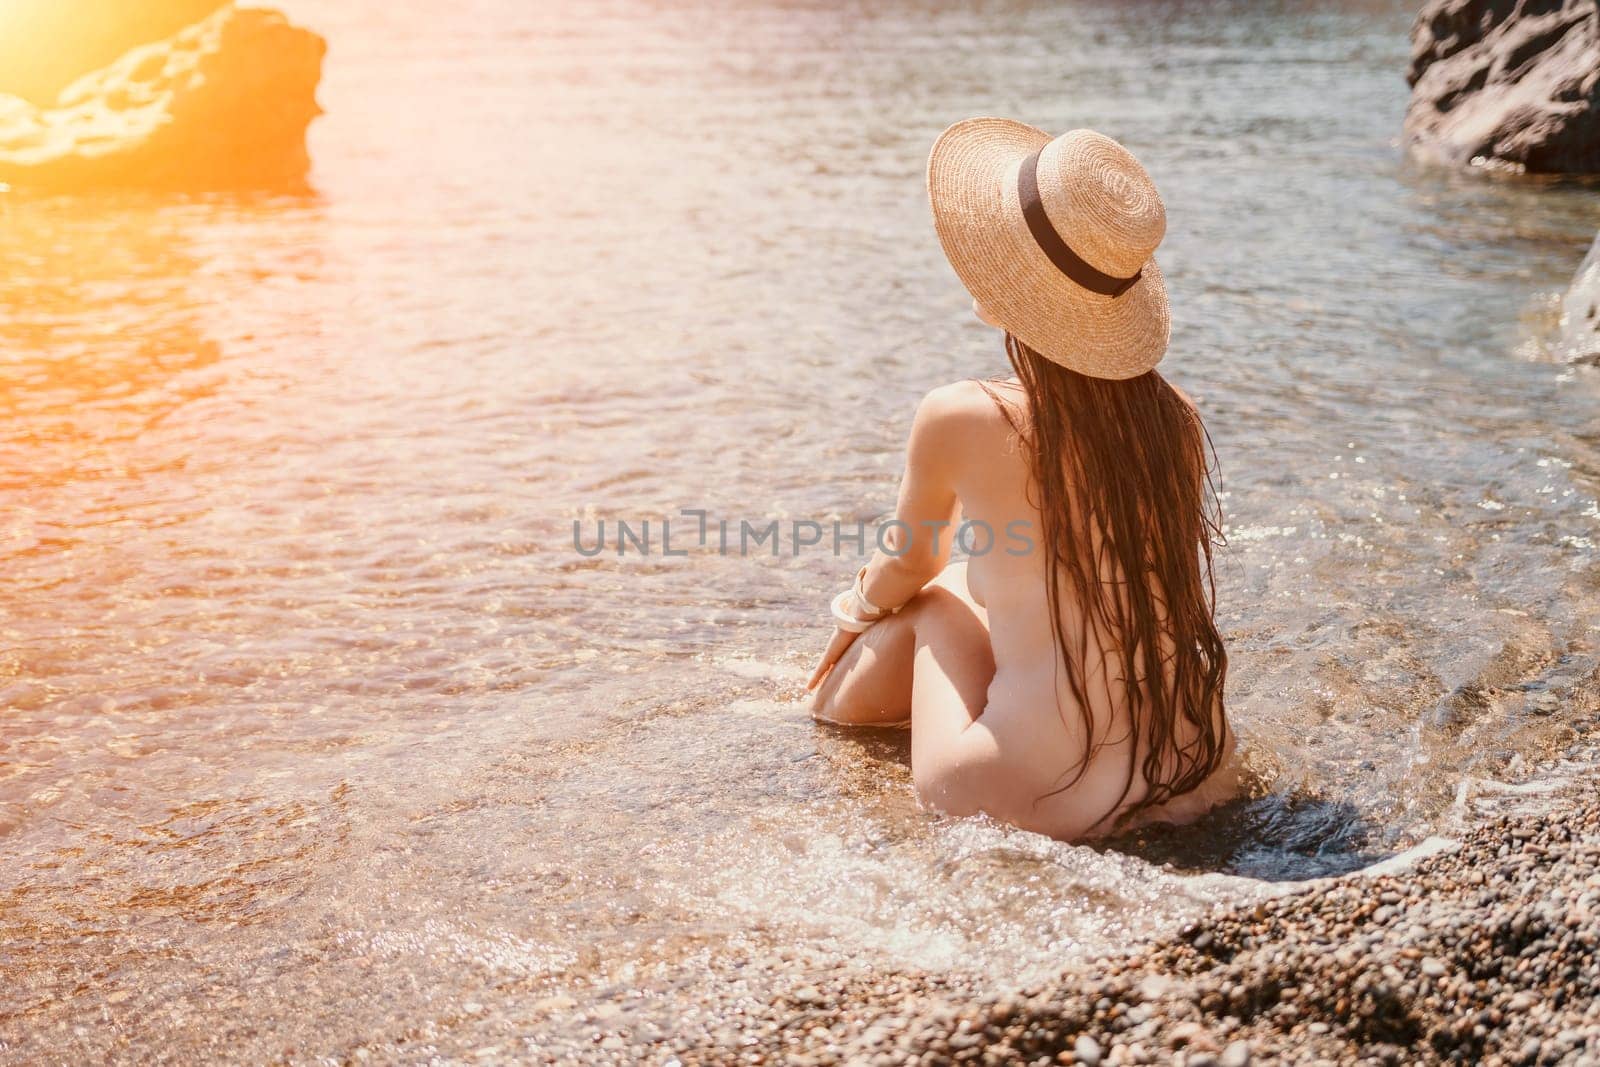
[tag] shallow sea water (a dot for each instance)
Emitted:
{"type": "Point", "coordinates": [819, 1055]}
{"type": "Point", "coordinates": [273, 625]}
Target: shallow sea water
{"type": "Point", "coordinates": [318, 734]}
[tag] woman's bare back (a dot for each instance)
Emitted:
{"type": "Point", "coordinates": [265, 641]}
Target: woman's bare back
{"type": "Point", "coordinates": [1028, 693]}
{"type": "Point", "coordinates": [1027, 719]}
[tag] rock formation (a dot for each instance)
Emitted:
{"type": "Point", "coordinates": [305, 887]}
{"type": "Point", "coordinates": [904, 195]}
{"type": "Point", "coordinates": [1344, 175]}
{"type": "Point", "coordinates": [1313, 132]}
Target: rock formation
{"type": "Point", "coordinates": [221, 104]}
{"type": "Point", "coordinates": [1508, 83]}
{"type": "Point", "coordinates": [1579, 339]}
{"type": "Point", "coordinates": [45, 45]}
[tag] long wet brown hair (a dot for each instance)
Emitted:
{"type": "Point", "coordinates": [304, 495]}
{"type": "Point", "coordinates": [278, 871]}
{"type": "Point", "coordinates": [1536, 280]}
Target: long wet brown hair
{"type": "Point", "coordinates": [1122, 471]}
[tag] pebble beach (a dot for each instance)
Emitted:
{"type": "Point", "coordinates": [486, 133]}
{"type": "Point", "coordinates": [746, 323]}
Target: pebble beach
{"type": "Point", "coordinates": [1479, 950]}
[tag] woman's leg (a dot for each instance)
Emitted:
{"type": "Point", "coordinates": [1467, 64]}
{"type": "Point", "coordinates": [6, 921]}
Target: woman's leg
{"type": "Point", "coordinates": [952, 671]}
{"type": "Point", "coordinates": [871, 683]}
{"type": "Point", "coordinates": [942, 632]}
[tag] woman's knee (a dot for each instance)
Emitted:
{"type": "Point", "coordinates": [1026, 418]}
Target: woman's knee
{"type": "Point", "coordinates": [875, 668]}
{"type": "Point", "coordinates": [941, 609]}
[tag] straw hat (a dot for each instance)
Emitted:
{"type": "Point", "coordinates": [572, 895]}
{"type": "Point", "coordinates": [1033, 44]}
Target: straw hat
{"type": "Point", "coordinates": [1054, 237]}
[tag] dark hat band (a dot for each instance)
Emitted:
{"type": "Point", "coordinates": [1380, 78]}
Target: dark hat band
{"type": "Point", "coordinates": [1066, 260]}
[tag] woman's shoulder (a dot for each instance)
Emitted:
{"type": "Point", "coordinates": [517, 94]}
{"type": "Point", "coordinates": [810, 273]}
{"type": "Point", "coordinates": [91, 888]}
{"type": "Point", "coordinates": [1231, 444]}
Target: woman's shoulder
{"type": "Point", "coordinates": [956, 421]}
{"type": "Point", "coordinates": [973, 401]}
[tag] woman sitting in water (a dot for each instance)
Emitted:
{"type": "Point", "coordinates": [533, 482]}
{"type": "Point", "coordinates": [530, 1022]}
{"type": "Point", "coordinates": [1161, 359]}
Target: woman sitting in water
{"type": "Point", "coordinates": [1069, 679]}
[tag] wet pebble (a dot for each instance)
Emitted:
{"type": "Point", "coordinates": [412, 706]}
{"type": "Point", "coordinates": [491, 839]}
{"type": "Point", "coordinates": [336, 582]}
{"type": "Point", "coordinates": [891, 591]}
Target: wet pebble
{"type": "Point", "coordinates": [1237, 1054]}
{"type": "Point", "coordinates": [1486, 953]}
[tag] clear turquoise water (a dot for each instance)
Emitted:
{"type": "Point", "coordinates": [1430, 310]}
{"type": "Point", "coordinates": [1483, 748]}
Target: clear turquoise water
{"type": "Point", "coordinates": [317, 734]}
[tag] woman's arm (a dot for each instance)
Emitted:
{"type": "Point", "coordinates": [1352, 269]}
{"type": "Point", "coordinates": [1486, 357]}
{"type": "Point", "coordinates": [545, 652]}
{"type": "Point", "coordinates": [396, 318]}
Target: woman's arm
{"type": "Point", "coordinates": [923, 531]}
{"type": "Point", "coordinates": [925, 516]}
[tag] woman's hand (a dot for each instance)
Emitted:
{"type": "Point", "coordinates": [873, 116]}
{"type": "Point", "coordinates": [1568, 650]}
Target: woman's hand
{"type": "Point", "coordinates": [838, 645]}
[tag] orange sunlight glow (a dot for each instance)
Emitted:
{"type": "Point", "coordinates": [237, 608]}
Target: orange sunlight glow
{"type": "Point", "coordinates": [45, 44]}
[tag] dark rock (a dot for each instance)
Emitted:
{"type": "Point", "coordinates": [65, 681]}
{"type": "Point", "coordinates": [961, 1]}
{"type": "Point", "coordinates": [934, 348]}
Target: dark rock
{"type": "Point", "coordinates": [223, 104]}
{"type": "Point", "coordinates": [45, 45]}
{"type": "Point", "coordinates": [1507, 83]}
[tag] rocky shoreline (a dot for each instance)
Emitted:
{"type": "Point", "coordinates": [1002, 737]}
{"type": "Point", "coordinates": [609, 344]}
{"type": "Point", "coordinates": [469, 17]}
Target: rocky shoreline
{"type": "Point", "coordinates": [1480, 953]}
{"type": "Point", "coordinates": [1506, 85]}
{"type": "Point", "coordinates": [222, 104]}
